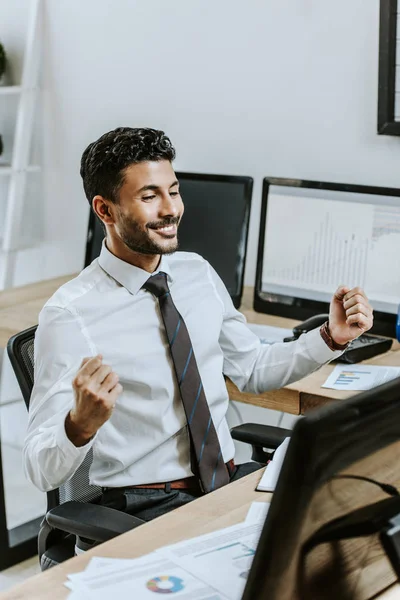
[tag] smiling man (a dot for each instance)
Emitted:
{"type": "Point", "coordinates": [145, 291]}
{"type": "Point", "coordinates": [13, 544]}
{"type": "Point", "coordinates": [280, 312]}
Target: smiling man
{"type": "Point", "coordinates": [131, 355]}
{"type": "Point", "coordinates": [146, 220]}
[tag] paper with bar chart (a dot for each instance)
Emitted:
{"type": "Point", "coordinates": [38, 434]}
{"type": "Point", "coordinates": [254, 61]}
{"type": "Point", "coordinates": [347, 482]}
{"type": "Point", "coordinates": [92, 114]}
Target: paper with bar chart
{"type": "Point", "coordinates": [314, 244]}
{"type": "Point", "coordinates": [359, 377]}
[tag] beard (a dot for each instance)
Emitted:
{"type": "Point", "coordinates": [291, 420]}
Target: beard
{"type": "Point", "coordinates": [139, 240]}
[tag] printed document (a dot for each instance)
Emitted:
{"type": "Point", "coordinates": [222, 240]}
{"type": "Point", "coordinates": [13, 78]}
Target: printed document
{"type": "Point", "coordinates": [209, 567]}
{"type": "Point", "coordinates": [257, 512]}
{"type": "Point", "coordinates": [221, 559]}
{"type": "Point", "coordinates": [359, 377]}
{"type": "Point", "coordinates": [140, 578]}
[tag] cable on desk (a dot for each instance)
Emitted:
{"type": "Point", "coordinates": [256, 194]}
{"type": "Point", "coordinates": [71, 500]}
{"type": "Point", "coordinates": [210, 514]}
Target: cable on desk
{"type": "Point", "coordinates": [391, 490]}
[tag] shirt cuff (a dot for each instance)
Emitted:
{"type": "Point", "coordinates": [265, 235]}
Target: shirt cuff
{"type": "Point", "coordinates": [67, 447]}
{"type": "Point", "coordinates": [318, 349]}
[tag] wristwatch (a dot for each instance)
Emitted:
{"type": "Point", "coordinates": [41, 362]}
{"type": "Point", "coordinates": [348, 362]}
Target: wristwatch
{"type": "Point", "coordinates": [326, 336]}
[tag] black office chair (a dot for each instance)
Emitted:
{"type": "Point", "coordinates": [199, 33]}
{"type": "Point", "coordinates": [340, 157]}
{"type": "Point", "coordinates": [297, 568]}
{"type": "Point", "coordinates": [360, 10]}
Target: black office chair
{"type": "Point", "coordinates": [73, 517]}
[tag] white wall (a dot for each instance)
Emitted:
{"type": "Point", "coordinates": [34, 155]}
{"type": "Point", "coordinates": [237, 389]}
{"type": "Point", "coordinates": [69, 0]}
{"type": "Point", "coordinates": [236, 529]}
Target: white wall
{"type": "Point", "coordinates": [258, 88]}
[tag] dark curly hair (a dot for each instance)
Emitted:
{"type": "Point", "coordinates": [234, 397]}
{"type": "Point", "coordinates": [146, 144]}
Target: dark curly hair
{"type": "Point", "coordinates": [104, 161]}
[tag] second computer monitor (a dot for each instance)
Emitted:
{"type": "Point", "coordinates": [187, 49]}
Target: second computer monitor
{"type": "Point", "coordinates": [315, 236]}
{"type": "Point", "coordinates": [215, 225]}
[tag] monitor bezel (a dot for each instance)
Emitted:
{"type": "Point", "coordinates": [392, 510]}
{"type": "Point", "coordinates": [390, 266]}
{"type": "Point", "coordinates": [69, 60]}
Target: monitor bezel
{"type": "Point", "coordinates": [384, 323]}
{"type": "Point", "coordinates": [324, 442]}
{"type": "Point", "coordinates": [181, 175]}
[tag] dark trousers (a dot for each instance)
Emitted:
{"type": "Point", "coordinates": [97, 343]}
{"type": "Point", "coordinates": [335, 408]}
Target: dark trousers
{"type": "Point", "coordinates": [147, 504]}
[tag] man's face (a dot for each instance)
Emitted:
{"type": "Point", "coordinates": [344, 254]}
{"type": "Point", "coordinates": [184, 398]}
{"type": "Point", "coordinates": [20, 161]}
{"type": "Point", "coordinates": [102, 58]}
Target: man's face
{"type": "Point", "coordinates": [149, 208]}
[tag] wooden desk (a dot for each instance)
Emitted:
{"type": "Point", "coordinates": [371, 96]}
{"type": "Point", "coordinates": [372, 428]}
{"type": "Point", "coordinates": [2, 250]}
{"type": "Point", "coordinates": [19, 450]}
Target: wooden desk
{"type": "Point", "coordinates": [227, 506]}
{"type": "Point", "coordinates": [20, 306]}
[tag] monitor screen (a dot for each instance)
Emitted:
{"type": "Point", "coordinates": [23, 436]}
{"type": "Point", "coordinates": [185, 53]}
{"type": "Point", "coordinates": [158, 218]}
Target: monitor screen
{"type": "Point", "coordinates": [215, 225]}
{"type": "Point", "coordinates": [336, 460]}
{"type": "Point", "coordinates": [315, 236]}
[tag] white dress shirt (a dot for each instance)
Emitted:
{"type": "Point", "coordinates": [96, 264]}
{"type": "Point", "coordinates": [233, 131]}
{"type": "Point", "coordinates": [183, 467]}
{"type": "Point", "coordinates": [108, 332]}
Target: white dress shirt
{"type": "Point", "coordinates": [105, 311]}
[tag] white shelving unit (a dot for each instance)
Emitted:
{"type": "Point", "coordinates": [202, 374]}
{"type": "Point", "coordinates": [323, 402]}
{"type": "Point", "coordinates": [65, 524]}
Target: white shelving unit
{"type": "Point", "coordinates": [19, 168]}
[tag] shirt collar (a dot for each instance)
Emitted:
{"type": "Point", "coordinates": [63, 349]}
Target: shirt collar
{"type": "Point", "coordinates": [130, 277]}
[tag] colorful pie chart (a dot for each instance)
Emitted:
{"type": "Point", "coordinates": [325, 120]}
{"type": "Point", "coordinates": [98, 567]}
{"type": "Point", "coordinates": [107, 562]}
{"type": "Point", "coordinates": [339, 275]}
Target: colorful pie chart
{"type": "Point", "coordinates": [165, 584]}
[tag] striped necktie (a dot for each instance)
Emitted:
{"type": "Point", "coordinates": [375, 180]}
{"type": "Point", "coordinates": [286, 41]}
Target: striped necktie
{"type": "Point", "coordinates": [209, 463]}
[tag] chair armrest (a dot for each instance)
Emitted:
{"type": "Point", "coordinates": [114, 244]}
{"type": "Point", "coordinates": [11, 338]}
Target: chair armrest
{"type": "Point", "coordinates": [92, 521]}
{"type": "Point", "coordinates": [267, 436]}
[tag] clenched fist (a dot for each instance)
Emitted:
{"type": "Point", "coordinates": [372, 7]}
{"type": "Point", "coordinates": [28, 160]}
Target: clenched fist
{"type": "Point", "coordinates": [96, 390]}
{"type": "Point", "coordinates": [350, 314]}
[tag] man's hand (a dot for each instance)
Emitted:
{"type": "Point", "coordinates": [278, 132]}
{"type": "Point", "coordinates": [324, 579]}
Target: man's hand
{"type": "Point", "coordinates": [96, 390]}
{"type": "Point", "coordinates": [350, 314]}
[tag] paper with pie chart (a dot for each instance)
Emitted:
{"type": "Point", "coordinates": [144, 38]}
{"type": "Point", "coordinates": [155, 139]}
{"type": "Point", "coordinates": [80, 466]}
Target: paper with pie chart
{"type": "Point", "coordinates": [213, 566]}
{"type": "Point", "coordinates": [150, 577]}
{"type": "Point", "coordinates": [222, 558]}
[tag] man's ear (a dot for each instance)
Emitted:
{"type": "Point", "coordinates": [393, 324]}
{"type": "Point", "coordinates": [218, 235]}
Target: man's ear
{"type": "Point", "coordinates": [103, 210]}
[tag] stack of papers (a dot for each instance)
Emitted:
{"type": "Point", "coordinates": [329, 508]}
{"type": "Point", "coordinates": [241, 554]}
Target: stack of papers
{"type": "Point", "coordinates": [209, 567]}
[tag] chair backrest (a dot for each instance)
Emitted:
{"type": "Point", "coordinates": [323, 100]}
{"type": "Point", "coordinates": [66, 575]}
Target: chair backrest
{"type": "Point", "coordinates": [20, 350]}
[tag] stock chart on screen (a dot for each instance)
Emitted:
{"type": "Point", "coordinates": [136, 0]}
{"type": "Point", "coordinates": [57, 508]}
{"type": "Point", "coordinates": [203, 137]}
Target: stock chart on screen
{"type": "Point", "coordinates": [316, 240]}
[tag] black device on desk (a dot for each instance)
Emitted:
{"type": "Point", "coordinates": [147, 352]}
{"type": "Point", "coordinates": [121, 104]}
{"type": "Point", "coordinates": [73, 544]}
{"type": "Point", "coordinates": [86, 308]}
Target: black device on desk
{"type": "Point", "coordinates": [365, 346]}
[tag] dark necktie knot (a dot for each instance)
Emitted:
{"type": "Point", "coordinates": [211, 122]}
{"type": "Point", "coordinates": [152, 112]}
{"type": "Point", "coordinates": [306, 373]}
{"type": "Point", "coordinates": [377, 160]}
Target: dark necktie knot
{"type": "Point", "coordinates": [157, 284]}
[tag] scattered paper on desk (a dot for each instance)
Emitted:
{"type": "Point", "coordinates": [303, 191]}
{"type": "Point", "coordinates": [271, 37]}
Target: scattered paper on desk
{"type": "Point", "coordinates": [141, 578]}
{"type": "Point", "coordinates": [104, 568]}
{"type": "Point", "coordinates": [270, 476]}
{"type": "Point", "coordinates": [257, 512]}
{"type": "Point", "coordinates": [359, 377]}
{"type": "Point", "coordinates": [213, 566]}
{"type": "Point", "coordinates": [221, 559]}
{"type": "Point", "coordinates": [100, 562]}
{"type": "Point", "coordinates": [269, 334]}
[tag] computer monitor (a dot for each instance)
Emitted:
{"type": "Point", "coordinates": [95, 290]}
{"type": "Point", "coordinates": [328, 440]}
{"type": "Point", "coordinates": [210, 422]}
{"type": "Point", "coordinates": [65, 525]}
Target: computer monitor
{"type": "Point", "coordinates": [215, 225]}
{"type": "Point", "coordinates": [315, 236]}
{"type": "Point", "coordinates": [330, 452]}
